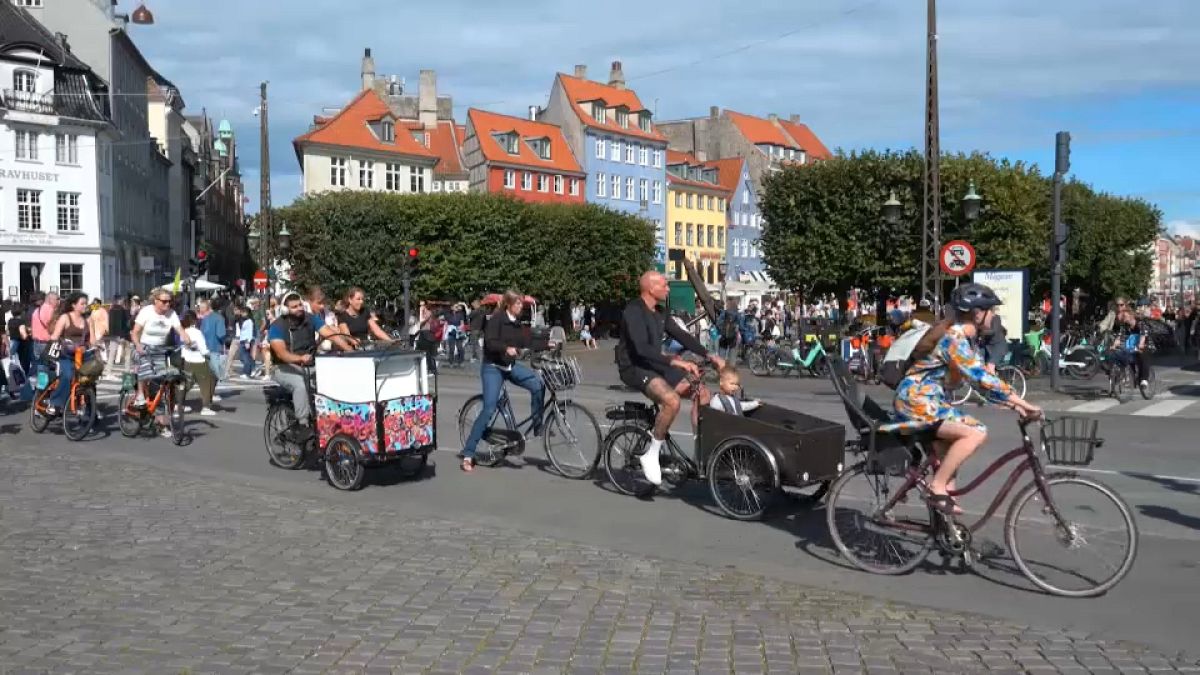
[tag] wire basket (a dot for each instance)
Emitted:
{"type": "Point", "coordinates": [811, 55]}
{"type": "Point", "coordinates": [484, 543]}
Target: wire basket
{"type": "Point", "coordinates": [1071, 441]}
{"type": "Point", "coordinates": [561, 373]}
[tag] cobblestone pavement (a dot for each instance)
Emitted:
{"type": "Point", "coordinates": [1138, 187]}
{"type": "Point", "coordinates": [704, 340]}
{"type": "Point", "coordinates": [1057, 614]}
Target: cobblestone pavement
{"type": "Point", "coordinates": [116, 567]}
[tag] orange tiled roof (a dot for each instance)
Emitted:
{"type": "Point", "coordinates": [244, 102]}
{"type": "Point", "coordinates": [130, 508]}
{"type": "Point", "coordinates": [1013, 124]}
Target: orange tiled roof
{"type": "Point", "coordinates": [486, 123]}
{"type": "Point", "coordinates": [446, 143]}
{"type": "Point", "coordinates": [812, 145]}
{"type": "Point", "coordinates": [349, 129]}
{"type": "Point", "coordinates": [758, 130]}
{"type": "Point", "coordinates": [729, 172]}
{"type": "Point", "coordinates": [579, 91]}
{"type": "Point", "coordinates": [675, 157]}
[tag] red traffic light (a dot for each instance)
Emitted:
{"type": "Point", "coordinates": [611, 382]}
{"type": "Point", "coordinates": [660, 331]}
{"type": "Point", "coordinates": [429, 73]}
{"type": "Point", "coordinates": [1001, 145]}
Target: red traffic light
{"type": "Point", "coordinates": [201, 255]}
{"type": "Point", "coordinates": [413, 252]}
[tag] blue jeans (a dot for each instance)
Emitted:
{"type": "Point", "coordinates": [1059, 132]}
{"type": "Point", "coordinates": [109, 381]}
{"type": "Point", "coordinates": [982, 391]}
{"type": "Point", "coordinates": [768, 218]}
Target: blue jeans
{"type": "Point", "coordinates": [216, 361]}
{"type": "Point", "coordinates": [493, 383]}
{"type": "Point", "coordinates": [66, 373]}
{"type": "Point", "coordinates": [247, 360]}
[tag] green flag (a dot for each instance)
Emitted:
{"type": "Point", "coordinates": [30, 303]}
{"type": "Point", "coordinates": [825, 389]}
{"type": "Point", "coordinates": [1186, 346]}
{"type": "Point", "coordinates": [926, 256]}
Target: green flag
{"type": "Point", "coordinates": [175, 285]}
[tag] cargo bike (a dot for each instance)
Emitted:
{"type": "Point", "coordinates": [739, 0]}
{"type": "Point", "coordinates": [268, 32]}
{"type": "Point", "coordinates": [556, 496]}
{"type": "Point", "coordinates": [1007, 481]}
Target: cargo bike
{"type": "Point", "coordinates": [749, 461]}
{"type": "Point", "coordinates": [371, 408]}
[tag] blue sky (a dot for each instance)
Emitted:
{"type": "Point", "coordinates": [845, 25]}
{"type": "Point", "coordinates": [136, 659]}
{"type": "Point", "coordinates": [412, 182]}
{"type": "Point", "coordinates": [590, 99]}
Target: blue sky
{"type": "Point", "coordinates": [1123, 77]}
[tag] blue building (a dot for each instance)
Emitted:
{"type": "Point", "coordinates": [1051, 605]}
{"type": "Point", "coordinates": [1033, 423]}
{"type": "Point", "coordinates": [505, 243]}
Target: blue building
{"type": "Point", "coordinates": [743, 254]}
{"type": "Point", "coordinates": [614, 138]}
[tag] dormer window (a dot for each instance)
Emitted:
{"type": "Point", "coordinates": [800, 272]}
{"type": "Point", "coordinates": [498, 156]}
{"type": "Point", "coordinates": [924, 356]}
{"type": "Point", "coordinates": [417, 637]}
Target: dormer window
{"type": "Point", "coordinates": [644, 121]}
{"type": "Point", "coordinates": [540, 147]}
{"type": "Point", "coordinates": [623, 118]}
{"type": "Point", "coordinates": [598, 111]}
{"type": "Point", "coordinates": [388, 132]}
{"type": "Point", "coordinates": [24, 81]}
{"type": "Point", "coordinates": [421, 137]}
{"type": "Point", "coordinates": [507, 141]}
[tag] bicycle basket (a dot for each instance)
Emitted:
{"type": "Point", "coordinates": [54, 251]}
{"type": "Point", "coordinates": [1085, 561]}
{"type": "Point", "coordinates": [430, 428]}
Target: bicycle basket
{"type": "Point", "coordinates": [1071, 441]}
{"type": "Point", "coordinates": [561, 373]}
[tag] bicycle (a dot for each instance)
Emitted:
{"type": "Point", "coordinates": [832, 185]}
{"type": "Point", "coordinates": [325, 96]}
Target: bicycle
{"type": "Point", "coordinates": [79, 415]}
{"type": "Point", "coordinates": [1122, 376]}
{"type": "Point", "coordinates": [168, 383]}
{"type": "Point", "coordinates": [897, 542]}
{"type": "Point", "coordinates": [1008, 373]}
{"type": "Point", "coordinates": [562, 420]}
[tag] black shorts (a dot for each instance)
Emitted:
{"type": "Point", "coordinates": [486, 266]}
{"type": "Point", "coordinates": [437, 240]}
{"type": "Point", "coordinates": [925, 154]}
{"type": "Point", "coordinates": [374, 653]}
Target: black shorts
{"type": "Point", "coordinates": [639, 378]}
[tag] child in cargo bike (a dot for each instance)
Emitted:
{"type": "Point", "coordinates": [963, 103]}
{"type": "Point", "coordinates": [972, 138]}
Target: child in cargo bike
{"type": "Point", "coordinates": [729, 399]}
{"type": "Point", "coordinates": [945, 353]}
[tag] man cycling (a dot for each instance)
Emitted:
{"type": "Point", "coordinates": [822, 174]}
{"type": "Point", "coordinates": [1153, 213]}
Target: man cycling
{"type": "Point", "coordinates": [1129, 344]}
{"type": "Point", "coordinates": [643, 366]}
{"type": "Point", "coordinates": [293, 339]}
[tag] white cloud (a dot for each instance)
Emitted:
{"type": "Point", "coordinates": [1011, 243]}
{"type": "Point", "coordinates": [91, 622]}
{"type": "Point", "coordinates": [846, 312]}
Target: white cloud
{"type": "Point", "coordinates": [1190, 228]}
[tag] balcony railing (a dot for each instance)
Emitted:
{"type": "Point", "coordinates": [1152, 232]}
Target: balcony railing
{"type": "Point", "coordinates": [29, 101]}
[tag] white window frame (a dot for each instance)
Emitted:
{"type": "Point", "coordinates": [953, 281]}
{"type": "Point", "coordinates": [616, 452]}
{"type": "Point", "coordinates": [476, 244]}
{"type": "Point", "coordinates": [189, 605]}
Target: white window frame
{"type": "Point", "coordinates": [616, 187]}
{"type": "Point", "coordinates": [678, 200]}
{"type": "Point", "coordinates": [657, 199]}
{"type": "Point", "coordinates": [543, 183]}
{"type": "Point", "coordinates": [339, 168]}
{"type": "Point", "coordinates": [67, 211]}
{"type": "Point", "coordinates": [510, 179]}
{"type": "Point", "coordinates": [392, 172]}
{"type": "Point", "coordinates": [614, 150]}
{"type": "Point", "coordinates": [598, 112]}
{"type": "Point", "coordinates": [574, 187]}
{"type": "Point", "coordinates": [527, 181]}
{"type": "Point", "coordinates": [644, 156]}
{"type": "Point", "coordinates": [558, 185]}
{"type": "Point", "coordinates": [629, 188]}
{"type": "Point", "coordinates": [678, 233]}
{"type": "Point", "coordinates": [416, 179]}
{"type": "Point", "coordinates": [600, 148]}
{"type": "Point", "coordinates": [29, 210]}
{"type": "Point", "coordinates": [690, 200]}
{"type": "Point", "coordinates": [745, 197]}
{"type": "Point", "coordinates": [601, 185]}
{"type": "Point", "coordinates": [26, 145]}
{"type": "Point", "coordinates": [366, 174]}
{"type": "Point", "coordinates": [658, 155]}
{"type": "Point", "coordinates": [643, 189]}
{"type": "Point", "coordinates": [25, 81]}
{"type": "Point", "coordinates": [73, 272]}
{"type": "Point", "coordinates": [630, 153]}
{"type": "Point", "coordinates": [622, 118]}
{"type": "Point", "coordinates": [28, 3]}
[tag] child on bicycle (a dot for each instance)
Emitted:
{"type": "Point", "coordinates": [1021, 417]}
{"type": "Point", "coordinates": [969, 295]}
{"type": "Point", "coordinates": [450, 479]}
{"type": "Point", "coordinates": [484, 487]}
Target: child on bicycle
{"type": "Point", "coordinates": [728, 398]}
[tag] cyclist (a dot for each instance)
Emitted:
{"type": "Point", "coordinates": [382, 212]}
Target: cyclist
{"type": "Point", "coordinates": [1129, 343]}
{"type": "Point", "coordinates": [71, 328]}
{"type": "Point", "coordinates": [359, 322]}
{"type": "Point", "coordinates": [153, 328]}
{"type": "Point", "coordinates": [643, 365]}
{"type": "Point", "coordinates": [293, 338]}
{"type": "Point", "coordinates": [945, 353]}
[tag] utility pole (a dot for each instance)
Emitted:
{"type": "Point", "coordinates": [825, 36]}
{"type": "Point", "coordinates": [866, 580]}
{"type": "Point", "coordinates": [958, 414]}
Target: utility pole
{"type": "Point", "coordinates": [931, 234]}
{"type": "Point", "coordinates": [265, 226]}
{"type": "Point", "coordinates": [1058, 250]}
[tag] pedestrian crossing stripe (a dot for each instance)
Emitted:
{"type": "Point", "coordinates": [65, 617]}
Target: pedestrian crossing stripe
{"type": "Point", "coordinates": [1164, 408]}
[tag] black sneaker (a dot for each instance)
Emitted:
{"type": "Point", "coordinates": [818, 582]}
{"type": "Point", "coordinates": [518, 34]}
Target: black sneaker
{"type": "Point", "coordinates": [298, 433]}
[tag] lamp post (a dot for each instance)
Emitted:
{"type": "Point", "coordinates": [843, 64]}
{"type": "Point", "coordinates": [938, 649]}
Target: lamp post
{"type": "Point", "coordinates": [972, 206]}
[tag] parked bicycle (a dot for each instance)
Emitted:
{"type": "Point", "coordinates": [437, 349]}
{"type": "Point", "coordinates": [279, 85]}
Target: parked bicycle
{"type": "Point", "coordinates": [790, 358]}
{"type": "Point", "coordinates": [165, 384]}
{"type": "Point", "coordinates": [570, 433]}
{"type": "Point", "coordinates": [1010, 374]}
{"type": "Point", "coordinates": [79, 414]}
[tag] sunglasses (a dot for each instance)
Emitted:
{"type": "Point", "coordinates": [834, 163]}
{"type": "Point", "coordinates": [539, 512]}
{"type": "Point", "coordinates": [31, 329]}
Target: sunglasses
{"type": "Point", "coordinates": [162, 300]}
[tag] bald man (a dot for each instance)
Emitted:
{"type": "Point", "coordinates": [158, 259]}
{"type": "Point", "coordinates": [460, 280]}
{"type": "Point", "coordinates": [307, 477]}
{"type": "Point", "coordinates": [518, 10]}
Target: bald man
{"type": "Point", "coordinates": [643, 365]}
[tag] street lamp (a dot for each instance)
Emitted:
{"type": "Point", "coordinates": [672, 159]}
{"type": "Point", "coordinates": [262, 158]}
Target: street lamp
{"type": "Point", "coordinates": [970, 203]}
{"type": "Point", "coordinates": [891, 209]}
{"type": "Point", "coordinates": [142, 16]}
{"type": "Point", "coordinates": [284, 239]}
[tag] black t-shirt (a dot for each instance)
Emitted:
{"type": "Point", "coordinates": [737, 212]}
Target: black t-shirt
{"type": "Point", "coordinates": [640, 341]}
{"type": "Point", "coordinates": [14, 328]}
{"type": "Point", "coordinates": [358, 325]}
{"type": "Point", "coordinates": [118, 322]}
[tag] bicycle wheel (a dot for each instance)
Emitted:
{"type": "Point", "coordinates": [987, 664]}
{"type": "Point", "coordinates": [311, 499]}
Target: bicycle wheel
{"type": "Point", "coordinates": [1118, 382]}
{"type": "Point", "coordinates": [80, 418]}
{"type": "Point", "coordinates": [961, 394]}
{"type": "Point", "coordinates": [490, 450]}
{"type": "Point", "coordinates": [571, 439]}
{"type": "Point", "coordinates": [621, 450]}
{"type": "Point", "coordinates": [820, 367]}
{"type": "Point", "coordinates": [756, 360]}
{"type": "Point", "coordinates": [1084, 363]}
{"type": "Point", "coordinates": [179, 435]}
{"type": "Point", "coordinates": [129, 419]}
{"type": "Point", "coordinates": [1072, 527]}
{"type": "Point", "coordinates": [873, 540]}
{"type": "Point", "coordinates": [342, 467]}
{"type": "Point", "coordinates": [1151, 388]}
{"type": "Point", "coordinates": [743, 479]}
{"type": "Point", "coordinates": [1013, 377]}
{"type": "Point", "coordinates": [282, 454]}
{"type": "Point", "coordinates": [38, 420]}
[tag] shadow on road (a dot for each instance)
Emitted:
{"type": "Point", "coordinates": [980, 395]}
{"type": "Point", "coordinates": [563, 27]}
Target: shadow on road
{"type": "Point", "coordinates": [1170, 515]}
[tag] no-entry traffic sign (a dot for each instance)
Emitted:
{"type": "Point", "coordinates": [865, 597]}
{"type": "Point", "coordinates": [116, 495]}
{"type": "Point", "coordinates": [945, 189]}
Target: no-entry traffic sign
{"type": "Point", "coordinates": [957, 258]}
{"type": "Point", "coordinates": [260, 280]}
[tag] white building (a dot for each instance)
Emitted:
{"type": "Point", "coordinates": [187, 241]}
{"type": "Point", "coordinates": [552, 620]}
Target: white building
{"type": "Point", "coordinates": [55, 166]}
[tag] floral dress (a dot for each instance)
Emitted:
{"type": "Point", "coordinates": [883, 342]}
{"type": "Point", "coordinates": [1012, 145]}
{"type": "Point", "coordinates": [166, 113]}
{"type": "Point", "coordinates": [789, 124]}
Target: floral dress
{"type": "Point", "coordinates": [921, 397]}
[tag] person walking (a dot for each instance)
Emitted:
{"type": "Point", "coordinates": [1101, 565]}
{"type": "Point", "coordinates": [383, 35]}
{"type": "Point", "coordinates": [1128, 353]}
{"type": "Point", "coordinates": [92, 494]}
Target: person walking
{"type": "Point", "coordinates": [245, 339]}
{"type": "Point", "coordinates": [212, 327]}
{"type": "Point", "coordinates": [98, 327]}
{"type": "Point", "coordinates": [195, 363]}
{"type": "Point", "coordinates": [41, 322]}
{"type": "Point", "coordinates": [20, 341]}
{"type": "Point", "coordinates": [119, 324]}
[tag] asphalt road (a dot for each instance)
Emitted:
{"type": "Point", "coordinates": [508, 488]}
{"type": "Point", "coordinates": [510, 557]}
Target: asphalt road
{"type": "Point", "coordinates": [1150, 461]}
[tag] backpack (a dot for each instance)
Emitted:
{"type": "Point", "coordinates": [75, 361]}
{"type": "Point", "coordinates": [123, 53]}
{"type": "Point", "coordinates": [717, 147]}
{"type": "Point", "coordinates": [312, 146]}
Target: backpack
{"type": "Point", "coordinates": [901, 355]}
{"type": "Point", "coordinates": [729, 327]}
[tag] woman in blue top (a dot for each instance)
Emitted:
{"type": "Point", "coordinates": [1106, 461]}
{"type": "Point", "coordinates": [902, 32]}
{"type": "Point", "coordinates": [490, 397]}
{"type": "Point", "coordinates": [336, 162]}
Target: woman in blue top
{"type": "Point", "coordinates": [943, 356]}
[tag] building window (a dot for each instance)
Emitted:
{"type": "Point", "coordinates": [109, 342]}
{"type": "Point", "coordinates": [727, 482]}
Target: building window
{"type": "Point", "coordinates": [708, 201]}
{"type": "Point", "coordinates": [644, 190]}
{"type": "Point", "coordinates": [416, 180]}
{"type": "Point", "coordinates": [644, 121]}
{"type": "Point", "coordinates": [68, 212]}
{"type": "Point", "coordinates": [679, 200]}
{"type": "Point", "coordinates": [70, 278]}
{"type": "Point", "coordinates": [543, 183]}
{"type": "Point", "coordinates": [392, 177]}
{"type": "Point", "coordinates": [388, 130]}
{"type": "Point", "coordinates": [721, 204]}
{"type": "Point", "coordinates": [599, 148]}
{"type": "Point", "coordinates": [691, 200]}
{"type": "Point", "coordinates": [711, 238]}
{"type": "Point", "coordinates": [657, 192]}
{"type": "Point", "coordinates": [366, 174]}
{"type": "Point", "coordinates": [510, 179]}
{"type": "Point", "coordinates": [337, 171]}
{"type": "Point", "coordinates": [616, 187]}
{"type": "Point", "coordinates": [575, 187]}
{"type": "Point", "coordinates": [540, 147]}
{"type": "Point", "coordinates": [25, 81]}
{"type": "Point", "coordinates": [598, 112]}
{"type": "Point", "coordinates": [689, 234]}
{"type": "Point", "coordinates": [601, 185]}
{"type": "Point", "coordinates": [644, 156]}
{"type": "Point", "coordinates": [629, 189]}
{"type": "Point", "coordinates": [66, 149]}
{"type": "Point", "coordinates": [630, 153]}
{"type": "Point", "coordinates": [614, 150]}
{"type": "Point", "coordinates": [720, 237]}
{"type": "Point", "coordinates": [658, 159]}
{"type": "Point", "coordinates": [526, 181]}
{"type": "Point", "coordinates": [27, 145]}
{"type": "Point", "coordinates": [558, 185]}
{"type": "Point", "coordinates": [623, 118]}
{"type": "Point", "coordinates": [679, 234]}
{"type": "Point", "coordinates": [29, 209]}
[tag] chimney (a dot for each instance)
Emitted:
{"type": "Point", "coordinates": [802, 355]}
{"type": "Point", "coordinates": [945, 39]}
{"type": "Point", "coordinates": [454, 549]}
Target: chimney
{"type": "Point", "coordinates": [427, 99]}
{"type": "Point", "coordinates": [714, 112]}
{"type": "Point", "coordinates": [533, 112]}
{"type": "Point", "coordinates": [368, 69]}
{"type": "Point", "coordinates": [773, 117]}
{"type": "Point", "coordinates": [702, 155]}
{"type": "Point", "coordinates": [581, 71]}
{"type": "Point", "coordinates": [794, 119]}
{"type": "Point", "coordinates": [617, 77]}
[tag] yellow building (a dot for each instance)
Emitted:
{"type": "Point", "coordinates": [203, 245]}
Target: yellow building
{"type": "Point", "coordinates": [696, 205]}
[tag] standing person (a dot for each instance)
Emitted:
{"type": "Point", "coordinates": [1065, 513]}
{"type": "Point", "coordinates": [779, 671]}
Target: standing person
{"type": "Point", "coordinates": [195, 362]}
{"type": "Point", "coordinates": [245, 338]}
{"type": "Point", "coordinates": [20, 340]}
{"type": "Point", "coordinates": [99, 326]}
{"type": "Point", "coordinates": [41, 322]}
{"type": "Point", "coordinates": [503, 340]}
{"type": "Point", "coordinates": [71, 328]}
{"type": "Point", "coordinates": [153, 328]}
{"type": "Point", "coordinates": [212, 327]}
{"type": "Point", "coordinates": [455, 334]}
{"type": "Point", "coordinates": [118, 331]}
{"type": "Point", "coordinates": [728, 330]}
{"type": "Point", "coordinates": [475, 324]}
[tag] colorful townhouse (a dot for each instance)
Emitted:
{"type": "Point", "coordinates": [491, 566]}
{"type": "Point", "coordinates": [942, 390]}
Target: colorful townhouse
{"type": "Point", "coordinates": [614, 138]}
{"type": "Point", "coordinates": [696, 217]}
{"type": "Point", "coordinates": [743, 224]}
{"type": "Point", "coordinates": [527, 159]}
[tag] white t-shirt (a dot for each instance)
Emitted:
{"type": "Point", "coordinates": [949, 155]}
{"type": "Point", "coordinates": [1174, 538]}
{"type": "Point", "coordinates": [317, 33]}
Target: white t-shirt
{"type": "Point", "coordinates": [156, 328]}
{"type": "Point", "coordinates": [198, 352]}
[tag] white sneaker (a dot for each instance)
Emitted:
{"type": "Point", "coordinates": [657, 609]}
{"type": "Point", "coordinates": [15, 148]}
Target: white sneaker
{"type": "Point", "coordinates": [216, 399]}
{"type": "Point", "coordinates": [187, 409]}
{"type": "Point", "coordinates": [1144, 384]}
{"type": "Point", "coordinates": [208, 412]}
{"type": "Point", "coordinates": [140, 401]}
{"type": "Point", "coordinates": [166, 433]}
{"type": "Point", "coordinates": [649, 462]}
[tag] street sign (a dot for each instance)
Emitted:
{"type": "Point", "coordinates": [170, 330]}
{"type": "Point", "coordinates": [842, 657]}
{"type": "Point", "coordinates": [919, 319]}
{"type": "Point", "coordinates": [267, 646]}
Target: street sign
{"type": "Point", "coordinates": [957, 258]}
{"type": "Point", "coordinates": [260, 280]}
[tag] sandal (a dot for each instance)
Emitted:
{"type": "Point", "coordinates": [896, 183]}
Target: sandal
{"type": "Point", "coordinates": [944, 504]}
{"type": "Point", "coordinates": [468, 464]}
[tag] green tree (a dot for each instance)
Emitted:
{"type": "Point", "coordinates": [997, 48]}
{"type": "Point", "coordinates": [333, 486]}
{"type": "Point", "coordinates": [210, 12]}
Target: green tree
{"type": "Point", "coordinates": [469, 244]}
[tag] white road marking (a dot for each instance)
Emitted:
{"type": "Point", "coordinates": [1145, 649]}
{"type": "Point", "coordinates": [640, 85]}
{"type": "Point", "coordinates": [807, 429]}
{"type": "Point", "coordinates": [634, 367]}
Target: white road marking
{"type": "Point", "coordinates": [1095, 406]}
{"type": "Point", "coordinates": [1136, 474]}
{"type": "Point", "coordinates": [1164, 408]}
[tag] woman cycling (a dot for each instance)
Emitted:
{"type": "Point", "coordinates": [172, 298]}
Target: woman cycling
{"type": "Point", "coordinates": [359, 322]}
{"type": "Point", "coordinates": [71, 328]}
{"type": "Point", "coordinates": [153, 328]}
{"type": "Point", "coordinates": [945, 354]}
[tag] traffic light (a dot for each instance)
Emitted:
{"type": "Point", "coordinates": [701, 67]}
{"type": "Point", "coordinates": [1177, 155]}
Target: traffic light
{"type": "Point", "coordinates": [201, 263]}
{"type": "Point", "coordinates": [409, 263]}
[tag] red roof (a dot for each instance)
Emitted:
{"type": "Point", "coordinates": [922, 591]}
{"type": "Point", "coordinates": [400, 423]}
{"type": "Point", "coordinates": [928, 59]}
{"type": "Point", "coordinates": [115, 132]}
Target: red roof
{"type": "Point", "coordinates": [729, 172]}
{"type": "Point", "coordinates": [446, 142]}
{"type": "Point", "coordinates": [485, 124]}
{"type": "Point", "coordinates": [758, 130]}
{"type": "Point", "coordinates": [580, 91]}
{"type": "Point", "coordinates": [812, 145]}
{"type": "Point", "coordinates": [350, 129]}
